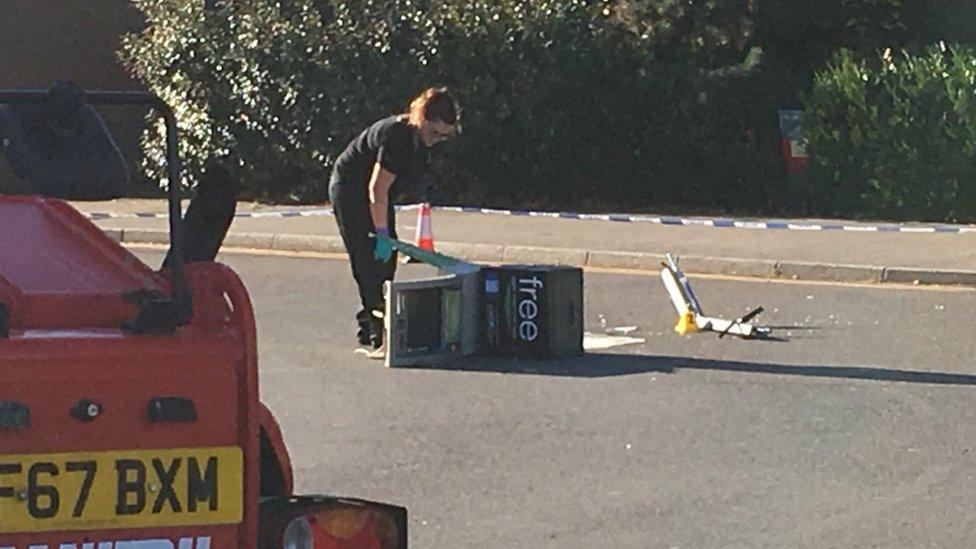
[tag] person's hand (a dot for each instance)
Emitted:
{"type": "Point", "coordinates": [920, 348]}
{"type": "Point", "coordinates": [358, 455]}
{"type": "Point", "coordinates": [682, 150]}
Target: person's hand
{"type": "Point", "coordinates": [383, 248]}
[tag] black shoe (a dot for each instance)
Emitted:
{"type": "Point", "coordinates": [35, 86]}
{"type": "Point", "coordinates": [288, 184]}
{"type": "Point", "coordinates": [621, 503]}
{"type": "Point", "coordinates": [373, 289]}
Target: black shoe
{"type": "Point", "coordinates": [364, 334]}
{"type": "Point", "coordinates": [376, 340]}
{"type": "Point", "coordinates": [375, 328]}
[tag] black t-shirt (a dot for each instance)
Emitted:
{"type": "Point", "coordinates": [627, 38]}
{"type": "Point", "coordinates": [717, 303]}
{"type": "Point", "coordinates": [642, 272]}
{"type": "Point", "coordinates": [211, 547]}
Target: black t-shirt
{"type": "Point", "coordinates": [392, 142]}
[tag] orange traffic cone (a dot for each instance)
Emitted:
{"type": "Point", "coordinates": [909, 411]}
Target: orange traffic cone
{"type": "Point", "coordinates": [425, 234]}
{"type": "Point", "coordinates": [424, 238]}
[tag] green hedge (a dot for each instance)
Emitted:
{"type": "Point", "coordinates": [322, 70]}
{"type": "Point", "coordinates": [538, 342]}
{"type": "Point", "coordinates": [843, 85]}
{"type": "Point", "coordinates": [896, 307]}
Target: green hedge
{"type": "Point", "coordinates": [894, 135]}
{"type": "Point", "coordinates": [567, 103]}
{"type": "Point", "coordinates": [581, 104]}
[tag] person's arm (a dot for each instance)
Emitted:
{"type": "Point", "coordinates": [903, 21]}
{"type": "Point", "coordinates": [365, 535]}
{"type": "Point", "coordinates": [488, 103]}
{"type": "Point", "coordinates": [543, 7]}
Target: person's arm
{"type": "Point", "coordinates": [379, 196]}
{"type": "Point", "coordinates": [12, 143]}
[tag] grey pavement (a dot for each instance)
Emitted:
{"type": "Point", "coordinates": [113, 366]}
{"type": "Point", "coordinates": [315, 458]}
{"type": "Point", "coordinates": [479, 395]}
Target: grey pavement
{"type": "Point", "coordinates": [857, 432]}
{"type": "Point", "coordinates": [813, 255]}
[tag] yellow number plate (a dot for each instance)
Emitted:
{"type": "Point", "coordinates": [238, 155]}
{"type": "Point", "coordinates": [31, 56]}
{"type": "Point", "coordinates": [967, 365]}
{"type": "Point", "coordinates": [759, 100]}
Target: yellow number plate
{"type": "Point", "coordinates": [121, 489]}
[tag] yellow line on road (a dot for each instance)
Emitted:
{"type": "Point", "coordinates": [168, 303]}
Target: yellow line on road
{"type": "Point", "coordinates": [244, 251]}
{"type": "Point", "coordinates": [757, 280]}
{"type": "Point", "coordinates": [605, 270]}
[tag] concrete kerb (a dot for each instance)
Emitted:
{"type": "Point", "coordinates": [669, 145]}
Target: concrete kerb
{"type": "Point", "coordinates": [488, 253]}
{"type": "Point", "coordinates": [114, 234]}
{"type": "Point", "coordinates": [307, 243]}
{"type": "Point", "coordinates": [639, 261]}
{"type": "Point", "coordinates": [758, 268]}
{"type": "Point", "coordinates": [799, 270]}
{"type": "Point", "coordinates": [908, 275]}
{"type": "Point", "coordinates": [257, 241]}
{"type": "Point", "coordinates": [550, 256]}
{"type": "Point", "coordinates": [145, 236]}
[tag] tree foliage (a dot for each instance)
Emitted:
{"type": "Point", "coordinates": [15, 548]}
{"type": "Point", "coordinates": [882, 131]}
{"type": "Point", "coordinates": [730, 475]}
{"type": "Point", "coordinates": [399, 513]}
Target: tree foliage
{"type": "Point", "coordinates": [567, 103]}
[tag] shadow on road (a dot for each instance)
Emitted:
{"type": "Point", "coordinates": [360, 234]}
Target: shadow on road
{"type": "Point", "coordinates": [609, 365]}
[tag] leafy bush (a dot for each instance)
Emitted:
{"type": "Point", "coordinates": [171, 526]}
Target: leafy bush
{"type": "Point", "coordinates": [894, 135]}
{"type": "Point", "coordinates": [567, 103]}
{"type": "Point", "coordinates": [276, 91]}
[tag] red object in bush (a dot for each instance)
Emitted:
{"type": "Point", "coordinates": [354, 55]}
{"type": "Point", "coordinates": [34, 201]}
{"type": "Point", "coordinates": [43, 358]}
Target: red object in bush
{"type": "Point", "coordinates": [792, 145]}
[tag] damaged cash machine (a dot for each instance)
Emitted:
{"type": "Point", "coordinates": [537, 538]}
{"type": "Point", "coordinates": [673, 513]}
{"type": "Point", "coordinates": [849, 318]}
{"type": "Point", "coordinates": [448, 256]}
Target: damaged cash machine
{"type": "Point", "coordinates": [520, 311]}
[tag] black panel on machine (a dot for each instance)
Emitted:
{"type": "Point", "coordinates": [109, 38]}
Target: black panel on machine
{"type": "Point", "coordinates": [532, 311]}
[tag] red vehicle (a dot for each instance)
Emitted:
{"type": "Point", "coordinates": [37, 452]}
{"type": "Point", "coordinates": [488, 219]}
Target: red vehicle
{"type": "Point", "coordinates": [129, 408]}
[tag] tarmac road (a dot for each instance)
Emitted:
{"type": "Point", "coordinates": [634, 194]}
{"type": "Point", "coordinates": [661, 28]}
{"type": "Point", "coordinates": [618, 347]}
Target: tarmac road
{"type": "Point", "coordinates": [859, 431]}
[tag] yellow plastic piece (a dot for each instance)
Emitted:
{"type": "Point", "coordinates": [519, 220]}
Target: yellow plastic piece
{"type": "Point", "coordinates": [686, 324]}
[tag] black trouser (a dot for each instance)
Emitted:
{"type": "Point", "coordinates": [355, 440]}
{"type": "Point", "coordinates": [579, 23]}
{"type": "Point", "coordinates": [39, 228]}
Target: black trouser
{"type": "Point", "coordinates": [355, 225]}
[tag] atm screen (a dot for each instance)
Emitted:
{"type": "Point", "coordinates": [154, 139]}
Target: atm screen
{"type": "Point", "coordinates": [425, 319]}
{"type": "Point", "coordinates": [424, 327]}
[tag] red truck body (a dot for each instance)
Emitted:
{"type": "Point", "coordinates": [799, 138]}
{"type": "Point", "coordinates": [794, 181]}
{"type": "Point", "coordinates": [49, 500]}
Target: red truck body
{"type": "Point", "coordinates": [112, 439]}
{"type": "Point", "coordinates": [129, 409]}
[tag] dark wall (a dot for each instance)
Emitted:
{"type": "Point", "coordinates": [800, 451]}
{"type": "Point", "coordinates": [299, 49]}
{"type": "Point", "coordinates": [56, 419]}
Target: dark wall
{"type": "Point", "coordinates": [43, 40]}
{"type": "Point", "coordinates": [46, 40]}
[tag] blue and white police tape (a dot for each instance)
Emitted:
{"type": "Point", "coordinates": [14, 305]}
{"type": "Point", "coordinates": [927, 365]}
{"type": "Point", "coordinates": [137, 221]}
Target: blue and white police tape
{"type": "Point", "coordinates": [623, 218]}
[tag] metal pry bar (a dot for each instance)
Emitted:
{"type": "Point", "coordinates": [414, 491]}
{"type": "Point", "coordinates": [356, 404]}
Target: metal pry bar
{"type": "Point", "coordinates": [441, 261]}
{"type": "Point", "coordinates": [742, 319]}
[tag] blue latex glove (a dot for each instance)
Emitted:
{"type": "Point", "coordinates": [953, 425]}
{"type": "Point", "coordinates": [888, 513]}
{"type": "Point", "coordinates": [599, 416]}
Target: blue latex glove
{"type": "Point", "coordinates": [383, 248]}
